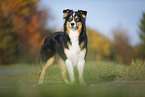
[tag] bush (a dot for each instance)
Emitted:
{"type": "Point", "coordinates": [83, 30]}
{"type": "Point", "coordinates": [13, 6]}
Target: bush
{"type": "Point", "coordinates": [135, 71]}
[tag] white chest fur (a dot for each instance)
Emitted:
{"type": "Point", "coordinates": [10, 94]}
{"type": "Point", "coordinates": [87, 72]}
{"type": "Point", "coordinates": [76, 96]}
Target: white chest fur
{"type": "Point", "coordinates": [75, 57]}
{"type": "Point", "coordinates": [74, 49]}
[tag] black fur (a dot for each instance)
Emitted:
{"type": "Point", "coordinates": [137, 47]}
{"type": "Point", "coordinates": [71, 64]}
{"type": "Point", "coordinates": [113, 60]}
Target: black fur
{"type": "Point", "coordinates": [55, 43]}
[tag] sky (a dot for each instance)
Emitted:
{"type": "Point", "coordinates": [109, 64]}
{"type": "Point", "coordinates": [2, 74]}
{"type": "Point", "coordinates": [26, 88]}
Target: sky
{"type": "Point", "coordinates": [102, 15]}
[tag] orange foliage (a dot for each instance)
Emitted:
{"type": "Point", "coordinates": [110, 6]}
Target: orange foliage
{"type": "Point", "coordinates": [20, 21]}
{"type": "Point", "coordinates": [32, 26]}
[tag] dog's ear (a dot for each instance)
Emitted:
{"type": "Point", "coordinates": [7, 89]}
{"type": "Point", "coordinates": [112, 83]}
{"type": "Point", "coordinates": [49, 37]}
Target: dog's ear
{"type": "Point", "coordinates": [66, 12]}
{"type": "Point", "coordinates": [83, 13]}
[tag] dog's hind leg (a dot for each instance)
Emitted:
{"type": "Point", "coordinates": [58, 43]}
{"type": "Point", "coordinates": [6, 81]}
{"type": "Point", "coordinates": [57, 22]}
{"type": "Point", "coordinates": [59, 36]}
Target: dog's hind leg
{"type": "Point", "coordinates": [63, 70]}
{"type": "Point", "coordinates": [48, 64]}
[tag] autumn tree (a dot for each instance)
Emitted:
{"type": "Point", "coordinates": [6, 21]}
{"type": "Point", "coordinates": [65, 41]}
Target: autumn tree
{"type": "Point", "coordinates": [22, 27]}
{"type": "Point", "coordinates": [98, 45]}
{"type": "Point", "coordinates": [121, 49]}
{"type": "Point", "coordinates": [8, 46]}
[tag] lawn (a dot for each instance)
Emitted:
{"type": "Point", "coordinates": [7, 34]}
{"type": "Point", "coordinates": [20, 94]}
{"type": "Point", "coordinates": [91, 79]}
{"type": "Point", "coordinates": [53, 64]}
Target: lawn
{"type": "Point", "coordinates": [104, 79]}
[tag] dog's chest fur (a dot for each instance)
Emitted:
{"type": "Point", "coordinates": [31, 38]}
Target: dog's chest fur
{"type": "Point", "coordinates": [73, 51]}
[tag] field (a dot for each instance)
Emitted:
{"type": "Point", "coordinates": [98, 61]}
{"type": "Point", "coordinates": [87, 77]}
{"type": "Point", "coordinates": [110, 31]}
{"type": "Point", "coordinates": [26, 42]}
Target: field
{"type": "Point", "coordinates": [104, 79]}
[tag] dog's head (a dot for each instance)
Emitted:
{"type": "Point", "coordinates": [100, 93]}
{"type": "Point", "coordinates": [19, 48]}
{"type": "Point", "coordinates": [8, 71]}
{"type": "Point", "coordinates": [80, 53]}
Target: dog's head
{"type": "Point", "coordinates": [74, 20]}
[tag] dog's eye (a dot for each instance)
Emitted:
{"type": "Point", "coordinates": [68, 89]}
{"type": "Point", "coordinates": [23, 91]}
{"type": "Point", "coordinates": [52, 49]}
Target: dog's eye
{"type": "Point", "coordinates": [69, 19]}
{"type": "Point", "coordinates": [77, 19]}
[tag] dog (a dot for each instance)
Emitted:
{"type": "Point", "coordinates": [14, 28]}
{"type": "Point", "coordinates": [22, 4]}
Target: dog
{"type": "Point", "coordinates": [69, 46]}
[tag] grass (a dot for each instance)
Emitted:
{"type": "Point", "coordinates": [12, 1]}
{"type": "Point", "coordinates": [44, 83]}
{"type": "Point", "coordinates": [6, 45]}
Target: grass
{"type": "Point", "coordinates": [136, 71]}
{"type": "Point", "coordinates": [104, 79]}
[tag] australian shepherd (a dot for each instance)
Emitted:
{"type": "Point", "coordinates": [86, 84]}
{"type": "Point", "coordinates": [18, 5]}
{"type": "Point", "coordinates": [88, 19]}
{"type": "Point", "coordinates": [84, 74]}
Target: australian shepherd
{"type": "Point", "coordinates": [69, 46]}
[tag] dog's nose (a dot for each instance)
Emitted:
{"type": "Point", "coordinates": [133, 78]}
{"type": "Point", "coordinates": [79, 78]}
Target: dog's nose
{"type": "Point", "coordinates": [72, 24]}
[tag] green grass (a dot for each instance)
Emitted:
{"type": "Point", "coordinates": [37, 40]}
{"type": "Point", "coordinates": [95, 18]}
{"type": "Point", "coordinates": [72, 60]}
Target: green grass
{"type": "Point", "coordinates": [104, 79]}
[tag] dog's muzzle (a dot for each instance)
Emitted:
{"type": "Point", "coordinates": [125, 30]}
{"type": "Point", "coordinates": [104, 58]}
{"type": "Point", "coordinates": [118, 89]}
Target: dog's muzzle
{"type": "Point", "coordinates": [72, 25]}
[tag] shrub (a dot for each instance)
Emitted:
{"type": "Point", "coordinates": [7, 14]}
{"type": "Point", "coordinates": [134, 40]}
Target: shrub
{"type": "Point", "coordinates": [135, 71]}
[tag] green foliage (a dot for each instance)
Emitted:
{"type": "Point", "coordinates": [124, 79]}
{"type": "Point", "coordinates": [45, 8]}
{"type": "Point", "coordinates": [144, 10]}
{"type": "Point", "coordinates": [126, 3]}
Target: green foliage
{"type": "Point", "coordinates": [142, 36]}
{"type": "Point", "coordinates": [8, 46]}
{"type": "Point", "coordinates": [135, 71]}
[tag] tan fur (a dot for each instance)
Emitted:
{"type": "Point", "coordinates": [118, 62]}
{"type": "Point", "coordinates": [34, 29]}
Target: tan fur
{"type": "Point", "coordinates": [65, 15]}
{"type": "Point", "coordinates": [65, 49]}
{"type": "Point", "coordinates": [63, 70]}
{"type": "Point", "coordinates": [81, 45]}
{"type": "Point", "coordinates": [48, 64]}
{"type": "Point", "coordinates": [83, 15]}
{"type": "Point", "coordinates": [76, 17]}
{"type": "Point", "coordinates": [79, 24]}
{"type": "Point", "coordinates": [84, 50]}
{"type": "Point", "coordinates": [67, 27]}
{"type": "Point", "coordinates": [68, 43]}
{"type": "Point", "coordinates": [71, 17]}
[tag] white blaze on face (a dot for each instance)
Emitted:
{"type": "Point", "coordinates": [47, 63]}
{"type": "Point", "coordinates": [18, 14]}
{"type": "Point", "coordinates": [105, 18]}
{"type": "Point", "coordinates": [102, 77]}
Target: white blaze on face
{"type": "Point", "coordinates": [73, 23]}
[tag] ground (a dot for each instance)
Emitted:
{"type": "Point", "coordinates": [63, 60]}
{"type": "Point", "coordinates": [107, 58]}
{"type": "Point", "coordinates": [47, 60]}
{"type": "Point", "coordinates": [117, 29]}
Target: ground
{"type": "Point", "coordinates": [104, 79]}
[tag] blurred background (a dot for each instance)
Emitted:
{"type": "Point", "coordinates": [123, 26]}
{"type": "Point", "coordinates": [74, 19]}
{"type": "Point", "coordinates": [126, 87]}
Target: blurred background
{"type": "Point", "coordinates": [115, 28]}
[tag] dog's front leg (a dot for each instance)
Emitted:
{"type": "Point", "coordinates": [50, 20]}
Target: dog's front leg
{"type": "Point", "coordinates": [80, 66]}
{"type": "Point", "coordinates": [70, 69]}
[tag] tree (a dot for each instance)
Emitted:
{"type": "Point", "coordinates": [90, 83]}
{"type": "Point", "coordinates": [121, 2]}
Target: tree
{"type": "Point", "coordinates": [98, 45]}
{"type": "Point", "coordinates": [8, 46]}
{"type": "Point", "coordinates": [122, 51]}
{"type": "Point", "coordinates": [142, 36]}
{"type": "Point", "coordinates": [22, 28]}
